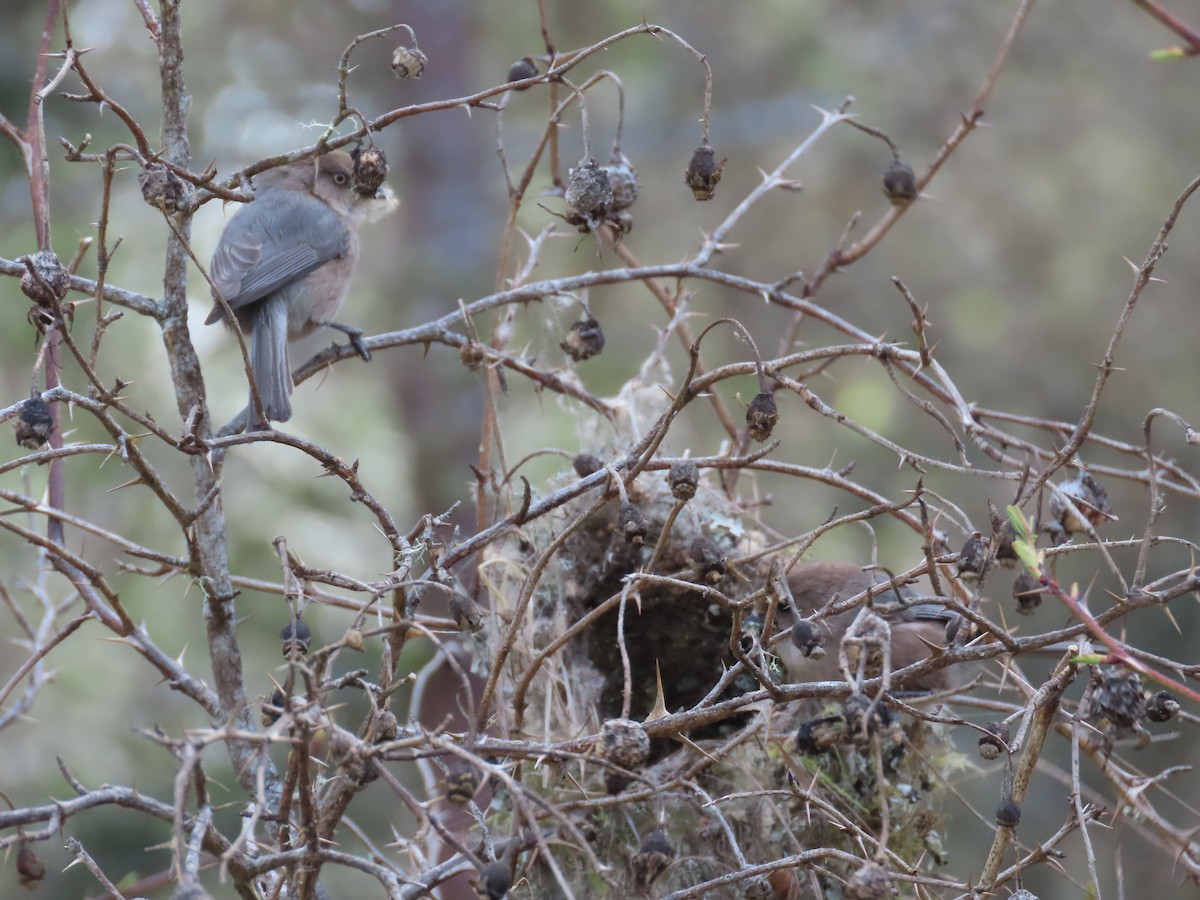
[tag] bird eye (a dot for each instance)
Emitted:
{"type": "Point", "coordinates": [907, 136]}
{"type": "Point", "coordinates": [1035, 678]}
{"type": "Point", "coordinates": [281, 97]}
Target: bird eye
{"type": "Point", "coordinates": [340, 178]}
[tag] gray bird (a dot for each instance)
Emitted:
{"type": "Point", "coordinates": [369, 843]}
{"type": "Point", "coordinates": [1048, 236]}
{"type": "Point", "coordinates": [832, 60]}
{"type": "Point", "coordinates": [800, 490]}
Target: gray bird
{"type": "Point", "coordinates": [285, 260]}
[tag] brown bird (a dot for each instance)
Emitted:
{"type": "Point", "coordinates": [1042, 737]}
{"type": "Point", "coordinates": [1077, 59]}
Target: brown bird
{"type": "Point", "coordinates": [916, 628]}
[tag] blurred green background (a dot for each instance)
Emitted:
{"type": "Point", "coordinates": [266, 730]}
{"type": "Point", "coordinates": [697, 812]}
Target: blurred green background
{"type": "Point", "coordinates": [1019, 255]}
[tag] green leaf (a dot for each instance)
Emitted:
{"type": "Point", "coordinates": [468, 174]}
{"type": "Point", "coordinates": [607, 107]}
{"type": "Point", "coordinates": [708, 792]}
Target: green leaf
{"type": "Point", "coordinates": [1168, 53]}
{"type": "Point", "coordinates": [1024, 545]}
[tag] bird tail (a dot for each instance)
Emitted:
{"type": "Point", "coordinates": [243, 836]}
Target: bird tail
{"type": "Point", "coordinates": [269, 358]}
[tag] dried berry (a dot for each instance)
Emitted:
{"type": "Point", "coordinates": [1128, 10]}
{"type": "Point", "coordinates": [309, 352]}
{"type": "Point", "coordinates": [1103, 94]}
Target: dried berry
{"type": "Point", "coordinates": [1162, 707]}
{"type": "Point", "coordinates": [370, 169]}
{"type": "Point", "coordinates": [584, 340]}
{"type": "Point", "coordinates": [900, 182]}
{"type": "Point", "coordinates": [466, 612]}
{"type": "Point", "coordinates": [703, 172]}
{"type": "Point", "coordinates": [48, 281]}
{"type": "Point", "coordinates": [33, 423]}
{"type": "Point", "coordinates": [652, 859]}
{"type": "Point", "coordinates": [710, 562]}
{"type": "Point", "coordinates": [995, 742]}
{"type": "Point", "coordinates": [461, 780]}
{"type": "Point", "coordinates": [623, 743]}
{"type": "Point", "coordinates": [1003, 535]}
{"type": "Point", "coordinates": [387, 726]}
{"type": "Point", "coordinates": [408, 63]}
{"type": "Point", "coordinates": [493, 881]}
{"type": "Point", "coordinates": [273, 708]}
{"type": "Point", "coordinates": [1088, 496]}
{"type": "Point", "coordinates": [761, 416]}
{"type": "Point", "coordinates": [1116, 696]}
{"type": "Point", "coordinates": [472, 355]}
{"type": "Point", "coordinates": [1008, 813]}
{"type": "Point", "coordinates": [295, 637]}
{"type": "Point", "coordinates": [972, 559]}
{"type": "Point", "coordinates": [589, 196]}
{"type": "Point", "coordinates": [623, 180]}
{"type": "Point", "coordinates": [632, 524]}
{"type": "Point", "coordinates": [586, 464]}
{"type": "Point", "coordinates": [162, 188]}
{"type": "Point", "coordinates": [870, 882]}
{"type": "Point", "coordinates": [30, 869]}
{"type": "Point", "coordinates": [520, 70]}
{"type": "Point", "coordinates": [683, 477]}
{"type": "Point", "coordinates": [1027, 591]}
{"type": "Point", "coordinates": [807, 639]}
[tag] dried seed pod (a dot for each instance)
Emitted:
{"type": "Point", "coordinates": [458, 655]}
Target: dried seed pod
{"type": "Point", "coordinates": [1008, 813]}
{"type": "Point", "coordinates": [1027, 591]}
{"type": "Point", "coordinates": [995, 742]}
{"type": "Point", "coordinates": [1162, 707]}
{"type": "Point", "coordinates": [461, 780]}
{"type": "Point", "coordinates": [623, 180]}
{"type": "Point", "coordinates": [807, 639]}
{"type": "Point", "coordinates": [30, 869]}
{"type": "Point", "coordinates": [1088, 496]}
{"type": "Point", "coordinates": [33, 423]}
{"type": "Point", "coordinates": [1003, 535]}
{"type": "Point", "coordinates": [584, 340]}
{"type": "Point", "coordinates": [703, 172]}
{"type": "Point", "coordinates": [900, 182]}
{"type": "Point", "coordinates": [273, 708]}
{"type": "Point", "coordinates": [632, 524]}
{"type": "Point", "coordinates": [520, 70]}
{"type": "Point", "coordinates": [761, 416]}
{"type": "Point", "coordinates": [162, 188]}
{"type": "Point", "coordinates": [589, 196]}
{"type": "Point", "coordinates": [652, 859]}
{"type": "Point", "coordinates": [354, 639]}
{"type": "Point", "coordinates": [493, 881]}
{"type": "Point", "coordinates": [370, 169]}
{"type": "Point", "coordinates": [586, 464]}
{"type": "Point", "coordinates": [51, 281]}
{"type": "Point", "coordinates": [623, 743]}
{"type": "Point", "coordinates": [972, 559]}
{"type": "Point", "coordinates": [683, 477]}
{"type": "Point", "coordinates": [472, 355]}
{"type": "Point", "coordinates": [295, 637]}
{"type": "Point", "coordinates": [621, 219]}
{"type": "Point", "coordinates": [466, 612]}
{"type": "Point", "coordinates": [408, 63]}
{"type": "Point", "coordinates": [710, 562]}
{"type": "Point", "coordinates": [1116, 696]}
{"type": "Point", "coordinates": [870, 882]}
{"type": "Point", "coordinates": [387, 726]}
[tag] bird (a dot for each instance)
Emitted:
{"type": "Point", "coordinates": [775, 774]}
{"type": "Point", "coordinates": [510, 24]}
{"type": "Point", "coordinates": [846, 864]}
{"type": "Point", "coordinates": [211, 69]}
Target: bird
{"type": "Point", "coordinates": [284, 262]}
{"type": "Point", "coordinates": [916, 628]}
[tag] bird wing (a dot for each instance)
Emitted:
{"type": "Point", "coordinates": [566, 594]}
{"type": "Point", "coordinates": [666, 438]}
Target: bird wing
{"type": "Point", "coordinates": [278, 237]}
